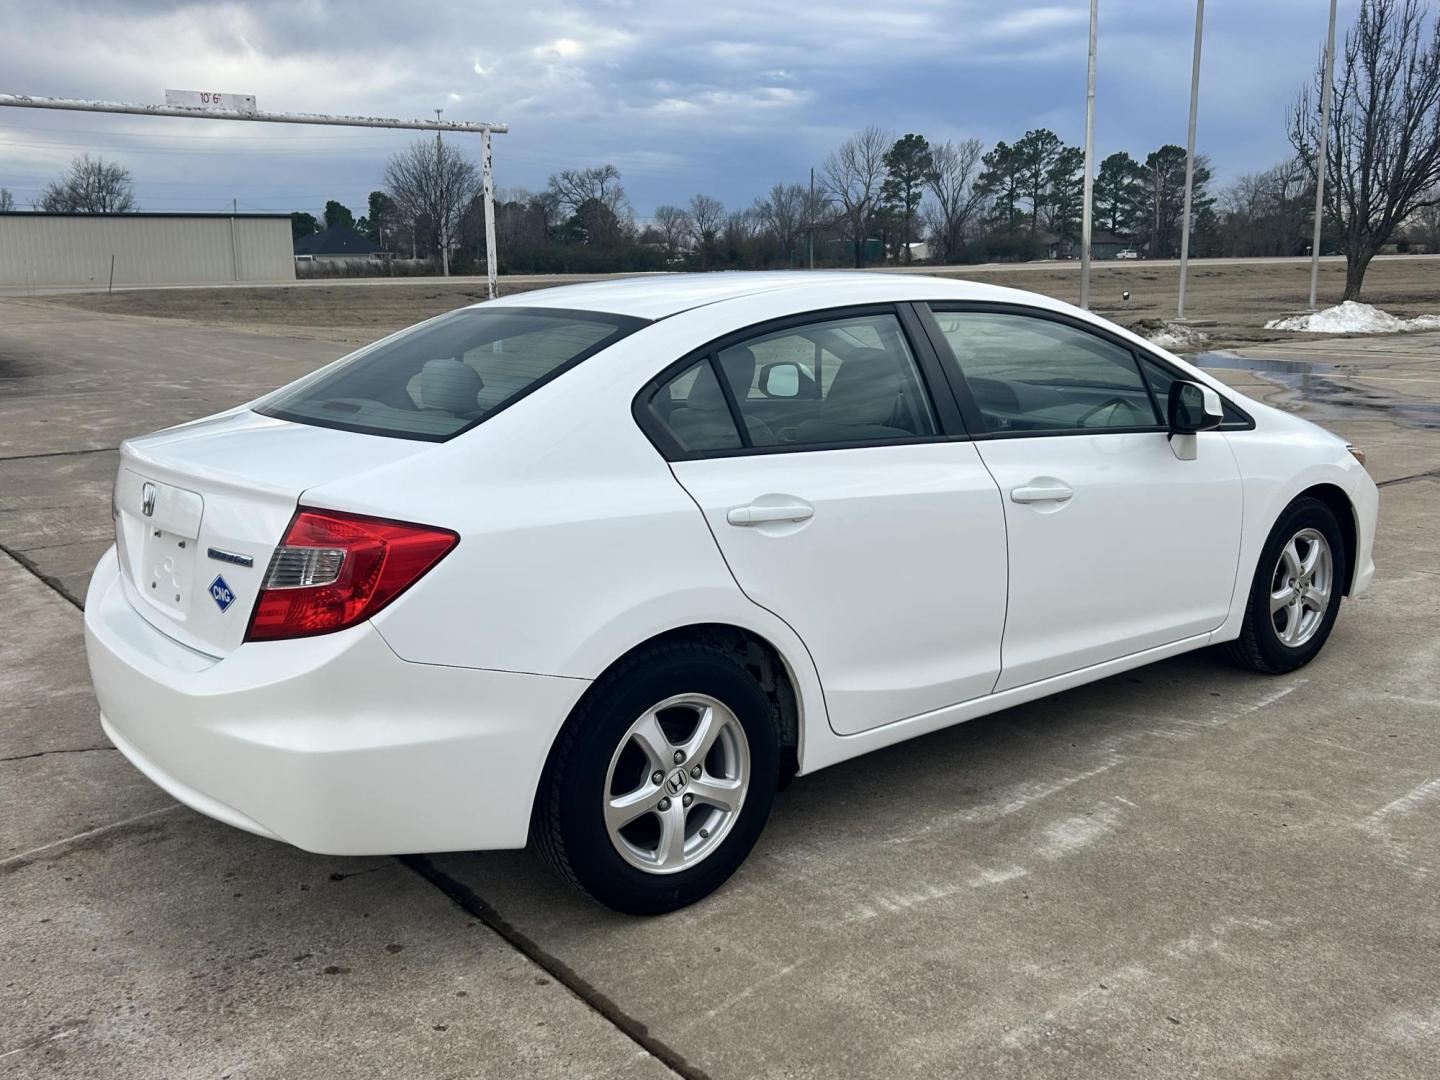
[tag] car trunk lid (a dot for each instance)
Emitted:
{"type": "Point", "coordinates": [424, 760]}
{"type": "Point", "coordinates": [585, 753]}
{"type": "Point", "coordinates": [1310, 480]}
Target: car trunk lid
{"type": "Point", "coordinates": [199, 510]}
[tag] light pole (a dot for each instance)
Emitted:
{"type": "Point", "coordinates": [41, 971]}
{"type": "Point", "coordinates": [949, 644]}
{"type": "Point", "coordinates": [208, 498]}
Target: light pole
{"type": "Point", "coordinates": [1086, 214]}
{"type": "Point", "coordinates": [1190, 156]}
{"type": "Point", "coordinates": [1322, 157]}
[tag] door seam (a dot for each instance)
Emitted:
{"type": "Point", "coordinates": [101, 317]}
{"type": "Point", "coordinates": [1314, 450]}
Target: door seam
{"type": "Point", "coordinates": [720, 549]}
{"type": "Point", "coordinates": [1009, 569]}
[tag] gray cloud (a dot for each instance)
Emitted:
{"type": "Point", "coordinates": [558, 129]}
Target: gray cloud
{"type": "Point", "coordinates": [683, 97]}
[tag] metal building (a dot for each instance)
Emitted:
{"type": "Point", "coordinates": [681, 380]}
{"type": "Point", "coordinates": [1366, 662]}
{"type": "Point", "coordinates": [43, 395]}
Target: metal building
{"type": "Point", "coordinates": [146, 249]}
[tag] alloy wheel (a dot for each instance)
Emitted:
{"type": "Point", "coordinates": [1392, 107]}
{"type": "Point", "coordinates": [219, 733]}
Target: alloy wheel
{"type": "Point", "coordinates": [676, 783]}
{"type": "Point", "coordinates": [1301, 587]}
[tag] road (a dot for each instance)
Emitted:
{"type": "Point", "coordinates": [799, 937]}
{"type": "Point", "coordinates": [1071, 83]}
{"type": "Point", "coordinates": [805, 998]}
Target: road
{"type": "Point", "coordinates": [1186, 870]}
{"type": "Point", "coordinates": [537, 280]}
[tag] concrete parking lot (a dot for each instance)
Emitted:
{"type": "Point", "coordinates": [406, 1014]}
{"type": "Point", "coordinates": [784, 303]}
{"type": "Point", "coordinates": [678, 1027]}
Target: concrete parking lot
{"type": "Point", "coordinates": [1183, 871]}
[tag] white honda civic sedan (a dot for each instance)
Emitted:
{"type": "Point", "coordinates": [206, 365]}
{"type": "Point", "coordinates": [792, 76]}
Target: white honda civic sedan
{"type": "Point", "coordinates": [600, 566]}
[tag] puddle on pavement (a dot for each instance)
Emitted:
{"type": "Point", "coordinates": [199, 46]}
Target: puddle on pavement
{"type": "Point", "coordinates": [1326, 395]}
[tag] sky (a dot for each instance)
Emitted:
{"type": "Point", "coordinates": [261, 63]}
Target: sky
{"type": "Point", "coordinates": [725, 98]}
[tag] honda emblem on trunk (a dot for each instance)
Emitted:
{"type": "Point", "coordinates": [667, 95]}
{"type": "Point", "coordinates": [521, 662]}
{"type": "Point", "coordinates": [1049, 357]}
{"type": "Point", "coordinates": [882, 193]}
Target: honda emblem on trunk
{"type": "Point", "coordinates": [147, 499]}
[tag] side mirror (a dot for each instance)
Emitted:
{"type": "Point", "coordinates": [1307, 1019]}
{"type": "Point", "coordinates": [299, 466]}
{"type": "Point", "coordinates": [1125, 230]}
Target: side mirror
{"type": "Point", "coordinates": [780, 380]}
{"type": "Point", "coordinates": [1193, 407]}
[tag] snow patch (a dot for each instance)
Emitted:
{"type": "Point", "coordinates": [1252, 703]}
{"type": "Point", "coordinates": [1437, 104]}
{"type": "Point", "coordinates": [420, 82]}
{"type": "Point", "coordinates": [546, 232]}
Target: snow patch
{"type": "Point", "coordinates": [1352, 317]}
{"type": "Point", "coordinates": [1178, 337]}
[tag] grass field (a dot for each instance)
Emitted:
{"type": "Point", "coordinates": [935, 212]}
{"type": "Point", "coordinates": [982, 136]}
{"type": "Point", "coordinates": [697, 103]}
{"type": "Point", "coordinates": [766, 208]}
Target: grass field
{"type": "Point", "coordinates": [1228, 301]}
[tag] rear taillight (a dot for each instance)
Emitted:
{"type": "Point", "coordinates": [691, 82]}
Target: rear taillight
{"type": "Point", "coordinates": [332, 570]}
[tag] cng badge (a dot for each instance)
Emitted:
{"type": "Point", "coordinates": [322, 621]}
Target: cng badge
{"type": "Point", "coordinates": [220, 593]}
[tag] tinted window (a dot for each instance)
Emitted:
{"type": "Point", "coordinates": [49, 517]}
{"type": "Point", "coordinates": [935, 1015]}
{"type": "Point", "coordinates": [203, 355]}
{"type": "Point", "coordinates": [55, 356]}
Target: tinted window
{"type": "Point", "coordinates": [837, 381]}
{"type": "Point", "coordinates": [448, 374]}
{"type": "Point", "coordinates": [692, 407]}
{"type": "Point", "coordinates": [1030, 374]}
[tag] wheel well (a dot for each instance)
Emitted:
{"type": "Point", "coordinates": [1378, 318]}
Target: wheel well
{"type": "Point", "coordinates": [763, 661]}
{"type": "Point", "coordinates": [1340, 506]}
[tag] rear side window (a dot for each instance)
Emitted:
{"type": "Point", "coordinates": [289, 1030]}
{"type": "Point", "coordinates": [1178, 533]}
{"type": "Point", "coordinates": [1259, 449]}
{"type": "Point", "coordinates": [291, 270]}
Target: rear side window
{"type": "Point", "coordinates": [446, 375]}
{"type": "Point", "coordinates": [692, 408]}
{"type": "Point", "coordinates": [828, 383]}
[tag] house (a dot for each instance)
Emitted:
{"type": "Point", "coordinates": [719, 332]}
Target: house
{"type": "Point", "coordinates": [1103, 245]}
{"type": "Point", "coordinates": [338, 244]}
{"type": "Point", "coordinates": [1106, 245]}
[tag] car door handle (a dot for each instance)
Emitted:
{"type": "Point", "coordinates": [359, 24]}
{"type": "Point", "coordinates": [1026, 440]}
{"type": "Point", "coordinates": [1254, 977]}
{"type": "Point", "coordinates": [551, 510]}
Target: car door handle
{"type": "Point", "coordinates": [760, 515]}
{"type": "Point", "coordinates": [1039, 490]}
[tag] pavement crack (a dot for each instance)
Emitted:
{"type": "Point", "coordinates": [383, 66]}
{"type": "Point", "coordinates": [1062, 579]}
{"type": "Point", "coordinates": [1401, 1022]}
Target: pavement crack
{"type": "Point", "coordinates": [1433, 474]}
{"type": "Point", "coordinates": [88, 838]}
{"type": "Point", "coordinates": [47, 753]}
{"type": "Point", "coordinates": [60, 453]}
{"type": "Point", "coordinates": [48, 579]}
{"type": "Point", "coordinates": [474, 904]}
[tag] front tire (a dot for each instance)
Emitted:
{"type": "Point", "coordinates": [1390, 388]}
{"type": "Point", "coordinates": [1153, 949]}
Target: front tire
{"type": "Point", "coordinates": [661, 780]}
{"type": "Point", "coordinates": [1295, 595]}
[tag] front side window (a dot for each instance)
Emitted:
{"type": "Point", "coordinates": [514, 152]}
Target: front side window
{"type": "Point", "coordinates": [448, 374]}
{"type": "Point", "coordinates": [1162, 377]}
{"type": "Point", "coordinates": [1032, 374]}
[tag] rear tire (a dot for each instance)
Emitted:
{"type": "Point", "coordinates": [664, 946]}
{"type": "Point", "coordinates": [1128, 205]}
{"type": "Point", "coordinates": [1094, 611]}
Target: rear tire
{"type": "Point", "coordinates": [645, 847]}
{"type": "Point", "coordinates": [1295, 595]}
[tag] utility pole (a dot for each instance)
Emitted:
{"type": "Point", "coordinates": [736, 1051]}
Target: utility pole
{"type": "Point", "coordinates": [1322, 157]}
{"type": "Point", "coordinates": [1086, 214]}
{"type": "Point", "coordinates": [440, 208]}
{"type": "Point", "coordinates": [1190, 156]}
{"type": "Point", "coordinates": [810, 213]}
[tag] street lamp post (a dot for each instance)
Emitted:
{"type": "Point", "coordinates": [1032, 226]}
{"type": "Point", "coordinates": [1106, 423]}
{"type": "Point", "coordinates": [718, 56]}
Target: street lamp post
{"type": "Point", "coordinates": [1322, 157]}
{"type": "Point", "coordinates": [1190, 156]}
{"type": "Point", "coordinates": [1087, 213]}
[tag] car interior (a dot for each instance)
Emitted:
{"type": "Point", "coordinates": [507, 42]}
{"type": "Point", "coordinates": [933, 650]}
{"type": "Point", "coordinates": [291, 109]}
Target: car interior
{"type": "Point", "coordinates": [1029, 374]}
{"type": "Point", "coordinates": [441, 379]}
{"type": "Point", "coordinates": [846, 381]}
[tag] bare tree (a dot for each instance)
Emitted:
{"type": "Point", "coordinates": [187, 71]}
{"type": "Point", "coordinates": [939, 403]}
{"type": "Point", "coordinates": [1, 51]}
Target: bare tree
{"type": "Point", "coordinates": [432, 188]}
{"type": "Point", "coordinates": [1426, 226]}
{"type": "Point", "coordinates": [742, 226]}
{"type": "Point", "coordinates": [673, 224]}
{"type": "Point", "coordinates": [782, 212]}
{"type": "Point", "coordinates": [854, 174]}
{"type": "Point", "coordinates": [951, 180]}
{"type": "Point", "coordinates": [1383, 158]}
{"type": "Point", "coordinates": [1268, 213]}
{"type": "Point", "coordinates": [819, 212]}
{"type": "Point", "coordinates": [707, 218]}
{"type": "Point", "coordinates": [596, 201]}
{"type": "Point", "coordinates": [92, 186]}
{"type": "Point", "coordinates": [7, 201]}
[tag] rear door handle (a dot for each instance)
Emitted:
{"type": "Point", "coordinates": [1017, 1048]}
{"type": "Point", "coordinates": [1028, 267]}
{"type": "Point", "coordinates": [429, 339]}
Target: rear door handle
{"type": "Point", "coordinates": [760, 515]}
{"type": "Point", "coordinates": [1041, 490]}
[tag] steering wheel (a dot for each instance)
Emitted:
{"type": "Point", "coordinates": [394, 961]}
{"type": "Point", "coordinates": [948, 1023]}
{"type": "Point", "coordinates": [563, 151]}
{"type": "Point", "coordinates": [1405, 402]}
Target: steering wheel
{"type": "Point", "coordinates": [1110, 403]}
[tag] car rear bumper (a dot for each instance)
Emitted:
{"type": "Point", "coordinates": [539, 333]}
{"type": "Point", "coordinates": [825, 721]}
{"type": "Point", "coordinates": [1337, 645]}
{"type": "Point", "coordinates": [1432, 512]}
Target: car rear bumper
{"type": "Point", "coordinates": [332, 743]}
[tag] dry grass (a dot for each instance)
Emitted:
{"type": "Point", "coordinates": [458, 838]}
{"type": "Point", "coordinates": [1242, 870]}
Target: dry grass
{"type": "Point", "coordinates": [1230, 302]}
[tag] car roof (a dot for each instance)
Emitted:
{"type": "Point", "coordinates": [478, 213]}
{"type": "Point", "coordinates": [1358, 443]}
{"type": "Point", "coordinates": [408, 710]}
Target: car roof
{"type": "Point", "coordinates": [658, 296]}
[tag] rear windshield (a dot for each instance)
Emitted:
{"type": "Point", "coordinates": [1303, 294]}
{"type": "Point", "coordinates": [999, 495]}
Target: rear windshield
{"type": "Point", "coordinates": [446, 375]}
